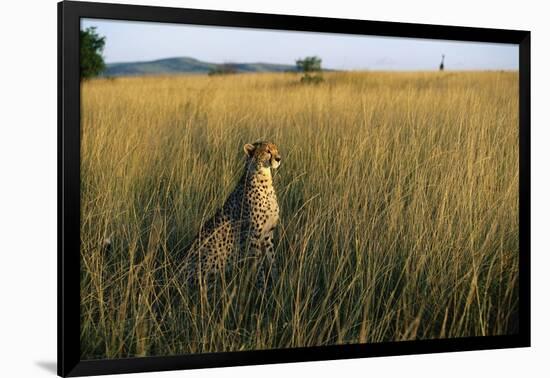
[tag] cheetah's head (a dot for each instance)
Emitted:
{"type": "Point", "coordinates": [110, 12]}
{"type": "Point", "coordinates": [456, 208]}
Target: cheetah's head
{"type": "Point", "coordinates": [265, 154]}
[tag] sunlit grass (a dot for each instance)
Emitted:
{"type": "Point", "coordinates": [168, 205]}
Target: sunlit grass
{"type": "Point", "coordinates": [398, 196]}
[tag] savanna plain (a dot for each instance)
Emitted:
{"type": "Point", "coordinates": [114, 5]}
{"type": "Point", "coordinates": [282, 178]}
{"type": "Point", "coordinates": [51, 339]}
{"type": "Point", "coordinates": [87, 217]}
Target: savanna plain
{"type": "Point", "coordinates": [398, 195]}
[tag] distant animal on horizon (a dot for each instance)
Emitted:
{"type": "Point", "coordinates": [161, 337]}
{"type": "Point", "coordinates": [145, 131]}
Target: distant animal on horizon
{"type": "Point", "coordinates": [244, 225]}
{"type": "Point", "coordinates": [442, 65]}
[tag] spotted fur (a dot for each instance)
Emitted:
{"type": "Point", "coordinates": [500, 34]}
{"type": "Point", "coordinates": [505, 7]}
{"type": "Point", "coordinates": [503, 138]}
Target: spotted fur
{"type": "Point", "coordinates": [244, 225]}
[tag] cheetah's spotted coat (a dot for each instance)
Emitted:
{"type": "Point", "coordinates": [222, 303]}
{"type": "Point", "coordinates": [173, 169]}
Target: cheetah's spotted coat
{"type": "Point", "coordinates": [244, 225]}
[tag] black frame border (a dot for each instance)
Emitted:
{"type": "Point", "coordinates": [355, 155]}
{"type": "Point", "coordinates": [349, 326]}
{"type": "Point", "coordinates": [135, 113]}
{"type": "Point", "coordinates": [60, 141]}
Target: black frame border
{"type": "Point", "coordinates": [68, 218]}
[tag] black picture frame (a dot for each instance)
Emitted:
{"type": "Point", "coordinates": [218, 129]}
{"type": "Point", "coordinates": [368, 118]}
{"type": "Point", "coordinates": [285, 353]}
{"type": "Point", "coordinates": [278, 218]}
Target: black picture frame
{"type": "Point", "coordinates": [69, 15]}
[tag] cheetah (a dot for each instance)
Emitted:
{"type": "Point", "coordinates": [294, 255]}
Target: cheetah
{"type": "Point", "coordinates": [244, 226]}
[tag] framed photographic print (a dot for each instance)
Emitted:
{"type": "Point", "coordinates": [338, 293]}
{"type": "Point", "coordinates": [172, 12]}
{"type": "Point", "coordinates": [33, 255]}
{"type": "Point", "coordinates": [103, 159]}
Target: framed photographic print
{"type": "Point", "coordinates": [239, 188]}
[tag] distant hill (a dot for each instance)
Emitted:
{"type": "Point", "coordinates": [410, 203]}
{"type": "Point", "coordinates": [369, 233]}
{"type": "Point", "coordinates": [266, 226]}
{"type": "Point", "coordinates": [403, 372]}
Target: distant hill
{"type": "Point", "coordinates": [186, 65]}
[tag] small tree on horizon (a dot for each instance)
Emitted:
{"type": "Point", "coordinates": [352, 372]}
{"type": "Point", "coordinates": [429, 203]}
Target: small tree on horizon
{"type": "Point", "coordinates": [224, 69]}
{"type": "Point", "coordinates": [311, 67]}
{"type": "Point", "coordinates": [91, 50]}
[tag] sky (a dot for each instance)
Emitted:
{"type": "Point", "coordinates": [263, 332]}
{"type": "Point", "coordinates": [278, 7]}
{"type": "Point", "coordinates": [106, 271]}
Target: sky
{"type": "Point", "coordinates": [128, 41]}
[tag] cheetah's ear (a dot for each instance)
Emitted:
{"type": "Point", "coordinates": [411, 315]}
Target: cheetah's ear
{"type": "Point", "coordinates": [249, 149]}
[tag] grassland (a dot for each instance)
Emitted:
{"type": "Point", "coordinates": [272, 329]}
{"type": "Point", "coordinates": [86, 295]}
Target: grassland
{"type": "Point", "coordinates": [398, 193]}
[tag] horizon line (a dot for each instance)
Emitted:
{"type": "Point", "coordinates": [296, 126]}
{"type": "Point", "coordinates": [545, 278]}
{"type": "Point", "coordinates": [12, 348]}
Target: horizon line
{"type": "Point", "coordinates": [436, 68]}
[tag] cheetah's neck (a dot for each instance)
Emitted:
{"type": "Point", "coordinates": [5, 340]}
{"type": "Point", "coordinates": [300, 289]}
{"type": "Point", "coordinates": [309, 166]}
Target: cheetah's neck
{"type": "Point", "coordinates": [256, 176]}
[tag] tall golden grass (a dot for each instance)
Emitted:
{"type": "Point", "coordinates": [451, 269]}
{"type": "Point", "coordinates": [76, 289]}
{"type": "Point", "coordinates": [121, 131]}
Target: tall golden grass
{"type": "Point", "coordinates": [398, 194]}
